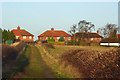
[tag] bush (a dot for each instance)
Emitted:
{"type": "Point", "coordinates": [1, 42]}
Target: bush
{"type": "Point", "coordinates": [49, 39]}
{"type": "Point", "coordinates": [110, 40]}
{"type": "Point", "coordinates": [10, 52]}
{"type": "Point", "coordinates": [49, 45]}
{"type": "Point", "coordinates": [94, 64]}
{"type": "Point", "coordinates": [62, 38]}
{"type": "Point", "coordinates": [83, 43]}
{"type": "Point", "coordinates": [52, 40]}
{"type": "Point", "coordinates": [44, 41]}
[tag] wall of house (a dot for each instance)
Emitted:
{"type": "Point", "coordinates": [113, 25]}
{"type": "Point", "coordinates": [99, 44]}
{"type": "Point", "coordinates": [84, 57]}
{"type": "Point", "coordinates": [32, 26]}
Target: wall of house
{"type": "Point", "coordinates": [27, 38]}
{"type": "Point", "coordinates": [55, 38]}
{"type": "Point", "coordinates": [92, 39]}
{"type": "Point", "coordinates": [95, 39]}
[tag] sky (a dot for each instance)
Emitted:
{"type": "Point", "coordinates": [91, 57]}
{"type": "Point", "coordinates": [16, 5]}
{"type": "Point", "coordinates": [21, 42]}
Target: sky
{"type": "Point", "coordinates": [37, 17]}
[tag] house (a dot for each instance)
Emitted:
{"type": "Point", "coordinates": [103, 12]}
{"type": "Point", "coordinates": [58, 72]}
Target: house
{"type": "Point", "coordinates": [89, 36]}
{"type": "Point", "coordinates": [21, 34]}
{"type": "Point", "coordinates": [56, 35]}
{"type": "Point", "coordinates": [118, 36]}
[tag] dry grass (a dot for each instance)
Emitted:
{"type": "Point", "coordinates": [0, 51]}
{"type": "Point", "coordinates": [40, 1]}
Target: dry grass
{"type": "Point", "coordinates": [59, 50]}
{"type": "Point", "coordinates": [71, 64]}
{"type": "Point", "coordinates": [60, 70]}
{"type": "Point", "coordinates": [15, 44]}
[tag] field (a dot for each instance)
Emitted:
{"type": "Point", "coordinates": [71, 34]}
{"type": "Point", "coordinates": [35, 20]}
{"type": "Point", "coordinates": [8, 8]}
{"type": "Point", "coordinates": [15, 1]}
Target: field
{"type": "Point", "coordinates": [61, 61]}
{"type": "Point", "coordinates": [59, 50]}
{"type": "Point", "coordinates": [82, 61]}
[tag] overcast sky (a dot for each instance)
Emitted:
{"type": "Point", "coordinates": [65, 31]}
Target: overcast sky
{"type": "Point", "coordinates": [37, 17]}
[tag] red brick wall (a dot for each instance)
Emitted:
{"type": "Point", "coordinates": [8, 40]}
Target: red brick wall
{"type": "Point", "coordinates": [27, 38]}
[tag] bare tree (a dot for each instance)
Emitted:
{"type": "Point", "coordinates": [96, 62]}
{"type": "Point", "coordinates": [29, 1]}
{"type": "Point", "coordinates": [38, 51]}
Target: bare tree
{"type": "Point", "coordinates": [72, 31]}
{"type": "Point", "coordinates": [108, 29]}
{"type": "Point", "coordinates": [84, 26]}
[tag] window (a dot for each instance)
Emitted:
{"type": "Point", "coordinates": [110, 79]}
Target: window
{"type": "Point", "coordinates": [95, 38]}
{"type": "Point", "coordinates": [85, 38]}
{"type": "Point", "coordinates": [58, 37]}
{"type": "Point", "coordinates": [69, 38]}
{"type": "Point", "coordinates": [99, 38]}
{"type": "Point", "coordinates": [24, 37]}
{"type": "Point", "coordinates": [45, 37]}
{"type": "Point", "coordinates": [17, 37]}
{"type": "Point", "coordinates": [30, 37]}
{"type": "Point", "coordinates": [91, 38]}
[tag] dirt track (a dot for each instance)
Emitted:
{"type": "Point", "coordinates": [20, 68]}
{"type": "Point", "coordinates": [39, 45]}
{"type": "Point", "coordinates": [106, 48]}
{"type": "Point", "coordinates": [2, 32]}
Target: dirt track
{"type": "Point", "coordinates": [36, 67]}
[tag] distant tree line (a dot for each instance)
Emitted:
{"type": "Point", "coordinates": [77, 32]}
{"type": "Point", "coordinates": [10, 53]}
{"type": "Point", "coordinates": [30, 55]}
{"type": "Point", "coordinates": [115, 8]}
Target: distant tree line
{"type": "Point", "coordinates": [110, 30]}
{"type": "Point", "coordinates": [6, 35]}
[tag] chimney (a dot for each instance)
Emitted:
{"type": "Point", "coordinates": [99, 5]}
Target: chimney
{"type": "Point", "coordinates": [86, 31]}
{"type": "Point", "coordinates": [18, 28]}
{"type": "Point", "coordinates": [97, 31]}
{"type": "Point", "coordinates": [111, 34]}
{"type": "Point", "coordinates": [52, 29]}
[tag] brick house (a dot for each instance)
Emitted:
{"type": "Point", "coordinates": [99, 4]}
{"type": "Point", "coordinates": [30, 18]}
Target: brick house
{"type": "Point", "coordinates": [118, 36]}
{"type": "Point", "coordinates": [21, 34]}
{"type": "Point", "coordinates": [89, 36]}
{"type": "Point", "coordinates": [56, 35]}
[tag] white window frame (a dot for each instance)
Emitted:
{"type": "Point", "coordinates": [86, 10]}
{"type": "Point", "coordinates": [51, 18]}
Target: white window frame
{"type": "Point", "coordinates": [58, 37]}
{"type": "Point", "coordinates": [92, 39]}
{"type": "Point", "coordinates": [24, 37]}
{"type": "Point", "coordinates": [17, 37]}
{"type": "Point", "coordinates": [45, 37]}
{"type": "Point", "coordinates": [68, 38]}
{"type": "Point", "coordinates": [30, 37]}
{"type": "Point", "coordinates": [99, 38]}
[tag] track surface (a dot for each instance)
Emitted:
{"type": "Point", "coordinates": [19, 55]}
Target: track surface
{"type": "Point", "coordinates": [37, 67]}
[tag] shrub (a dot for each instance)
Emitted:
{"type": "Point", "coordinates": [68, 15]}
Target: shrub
{"type": "Point", "coordinates": [49, 39]}
{"type": "Point", "coordinates": [111, 39]}
{"type": "Point", "coordinates": [62, 38]}
{"type": "Point", "coordinates": [82, 43]}
{"type": "Point", "coordinates": [94, 64]}
{"type": "Point", "coordinates": [52, 40]}
{"type": "Point", "coordinates": [49, 45]}
{"type": "Point", "coordinates": [10, 52]}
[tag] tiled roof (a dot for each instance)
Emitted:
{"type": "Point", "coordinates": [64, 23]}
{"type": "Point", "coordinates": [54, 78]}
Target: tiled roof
{"type": "Point", "coordinates": [90, 35]}
{"type": "Point", "coordinates": [54, 33]}
{"type": "Point", "coordinates": [16, 32]}
{"type": "Point", "coordinates": [21, 32]}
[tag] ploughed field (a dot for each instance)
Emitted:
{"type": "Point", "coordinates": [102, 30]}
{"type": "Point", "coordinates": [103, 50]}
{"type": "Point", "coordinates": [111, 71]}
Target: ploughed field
{"type": "Point", "coordinates": [85, 61]}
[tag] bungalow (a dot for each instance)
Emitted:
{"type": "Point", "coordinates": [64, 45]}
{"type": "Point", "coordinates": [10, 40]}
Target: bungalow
{"type": "Point", "coordinates": [21, 34]}
{"type": "Point", "coordinates": [56, 35]}
{"type": "Point", "coordinates": [89, 36]}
